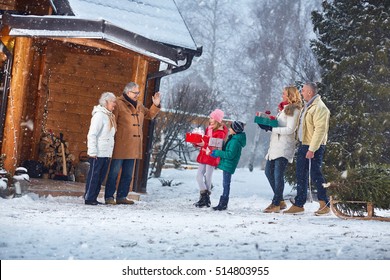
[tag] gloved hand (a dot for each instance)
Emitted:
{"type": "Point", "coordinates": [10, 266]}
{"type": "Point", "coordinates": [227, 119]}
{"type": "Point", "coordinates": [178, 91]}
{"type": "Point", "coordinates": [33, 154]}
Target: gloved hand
{"type": "Point", "coordinates": [214, 154]}
{"type": "Point", "coordinates": [265, 127]}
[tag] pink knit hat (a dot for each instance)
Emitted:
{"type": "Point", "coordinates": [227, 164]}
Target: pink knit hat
{"type": "Point", "coordinates": [217, 115]}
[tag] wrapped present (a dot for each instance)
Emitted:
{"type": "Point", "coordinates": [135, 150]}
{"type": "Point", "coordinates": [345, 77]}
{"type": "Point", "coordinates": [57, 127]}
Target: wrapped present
{"type": "Point", "coordinates": [215, 142]}
{"type": "Point", "coordinates": [196, 136]}
{"type": "Point", "coordinates": [193, 137]}
{"type": "Point", "coordinates": [266, 118]}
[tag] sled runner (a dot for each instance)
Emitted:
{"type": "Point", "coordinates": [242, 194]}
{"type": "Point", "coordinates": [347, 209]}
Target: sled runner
{"type": "Point", "coordinates": [338, 210]}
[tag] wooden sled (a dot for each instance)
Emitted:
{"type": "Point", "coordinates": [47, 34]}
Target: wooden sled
{"type": "Point", "coordinates": [370, 211]}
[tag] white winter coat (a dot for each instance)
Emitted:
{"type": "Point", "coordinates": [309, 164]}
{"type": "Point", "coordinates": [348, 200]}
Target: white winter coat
{"type": "Point", "coordinates": [101, 132]}
{"type": "Point", "coordinates": [282, 143]}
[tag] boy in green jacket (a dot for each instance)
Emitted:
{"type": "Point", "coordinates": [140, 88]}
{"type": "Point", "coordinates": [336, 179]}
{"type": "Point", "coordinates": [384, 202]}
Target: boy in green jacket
{"type": "Point", "coordinates": [230, 156]}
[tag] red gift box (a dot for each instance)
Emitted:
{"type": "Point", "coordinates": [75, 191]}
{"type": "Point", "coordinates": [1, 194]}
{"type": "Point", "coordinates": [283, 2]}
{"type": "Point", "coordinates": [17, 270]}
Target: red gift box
{"type": "Point", "coordinates": [193, 137]}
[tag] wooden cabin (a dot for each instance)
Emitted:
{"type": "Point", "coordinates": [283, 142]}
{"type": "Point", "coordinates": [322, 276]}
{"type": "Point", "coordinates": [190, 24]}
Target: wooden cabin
{"type": "Point", "coordinates": [58, 56]}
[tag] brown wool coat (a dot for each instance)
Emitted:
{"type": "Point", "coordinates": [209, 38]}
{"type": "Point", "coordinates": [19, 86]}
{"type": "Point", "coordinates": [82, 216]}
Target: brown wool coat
{"type": "Point", "coordinates": [128, 137]}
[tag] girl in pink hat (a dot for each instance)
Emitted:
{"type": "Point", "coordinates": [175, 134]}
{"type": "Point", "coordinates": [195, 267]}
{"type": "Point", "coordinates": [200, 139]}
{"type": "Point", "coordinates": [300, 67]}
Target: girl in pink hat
{"type": "Point", "coordinates": [215, 133]}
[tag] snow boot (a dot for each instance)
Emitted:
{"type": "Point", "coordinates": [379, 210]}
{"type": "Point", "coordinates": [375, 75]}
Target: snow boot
{"type": "Point", "coordinates": [283, 205]}
{"type": "Point", "coordinates": [323, 210]}
{"type": "Point", "coordinates": [272, 209]}
{"type": "Point", "coordinates": [294, 210]}
{"type": "Point", "coordinates": [204, 199]}
{"type": "Point", "coordinates": [208, 202]}
{"type": "Point", "coordinates": [223, 203]}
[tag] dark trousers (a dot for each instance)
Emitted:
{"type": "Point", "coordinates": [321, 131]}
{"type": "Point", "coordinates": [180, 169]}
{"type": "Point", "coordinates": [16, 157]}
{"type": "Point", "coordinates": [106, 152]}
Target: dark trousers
{"type": "Point", "coordinates": [227, 178]}
{"type": "Point", "coordinates": [302, 173]}
{"type": "Point", "coordinates": [127, 166]}
{"type": "Point", "coordinates": [274, 170]}
{"type": "Point", "coordinates": [97, 172]}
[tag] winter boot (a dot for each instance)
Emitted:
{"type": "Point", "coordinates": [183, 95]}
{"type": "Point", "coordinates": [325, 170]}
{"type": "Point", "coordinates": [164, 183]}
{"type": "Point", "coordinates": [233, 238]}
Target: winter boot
{"type": "Point", "coordinates": [124, 201]}
{"type": "Point", "coordinates": [204, 199]}
{"type": "Point", "coordinates": [208, 202]}
{"type": "Point", "coordinates": [294, 210]}
{"type": "Point", "coordinates": [283, 205]}
{"type": "Point", "coordinates": [272, 209]}
{"type": "Point", "coordinates": [323, 210]}
{"type": "Point", "coordinates": [223, 203]}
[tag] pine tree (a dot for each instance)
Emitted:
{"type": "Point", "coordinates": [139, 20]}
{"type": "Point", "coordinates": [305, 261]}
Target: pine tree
{"type": "Point", "coordinates": [353, 50]}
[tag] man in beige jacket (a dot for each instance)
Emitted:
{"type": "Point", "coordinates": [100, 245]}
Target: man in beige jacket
{"type": "Point", "coordinates": [129, 114]}
{"type": "Point", "coordinates": [312, 135]}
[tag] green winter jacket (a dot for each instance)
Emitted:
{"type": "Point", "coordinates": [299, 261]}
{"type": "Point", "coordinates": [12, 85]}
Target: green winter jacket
{"type": "Point", "coordinates": [231, 152]}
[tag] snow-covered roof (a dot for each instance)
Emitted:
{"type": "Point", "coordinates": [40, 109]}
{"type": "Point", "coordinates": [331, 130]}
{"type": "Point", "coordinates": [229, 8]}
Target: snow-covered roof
{"type": "Point", "coordinates": [151, 27]}
{"type": "Point", "coordinates": [156, 20]}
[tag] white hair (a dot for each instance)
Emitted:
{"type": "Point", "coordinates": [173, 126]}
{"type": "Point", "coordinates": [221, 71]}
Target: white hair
{"type": "Point", "coordinates": [129, 87]}
{"type": "Point", "coordinates": [106, 96]}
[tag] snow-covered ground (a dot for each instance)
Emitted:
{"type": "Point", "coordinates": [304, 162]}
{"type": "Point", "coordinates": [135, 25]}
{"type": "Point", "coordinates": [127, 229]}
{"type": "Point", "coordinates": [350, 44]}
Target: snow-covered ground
{"type": "Point", "coordinates": [164, 225]}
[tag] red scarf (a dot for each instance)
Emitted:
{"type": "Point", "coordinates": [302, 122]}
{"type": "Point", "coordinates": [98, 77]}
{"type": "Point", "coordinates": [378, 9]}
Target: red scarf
{"type": "Point", "coordinates": [281, 105]}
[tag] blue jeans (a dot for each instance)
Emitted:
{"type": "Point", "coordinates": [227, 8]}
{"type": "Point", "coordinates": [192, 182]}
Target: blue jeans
{"type": "Point", "coordinates": [97, 173]}
{"type": "Point", "coordinates": [274, 170]}
{"type": "Point", "coordinates": [127, 166]}
{"type": "Point", "coordinates": [302, 173]}
{"type": "Point", "coordinates": [227, 178]}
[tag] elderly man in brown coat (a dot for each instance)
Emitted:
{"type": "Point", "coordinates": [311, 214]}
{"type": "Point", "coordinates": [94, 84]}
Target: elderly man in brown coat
{"type": "Point", "coordinates": [130, 115]}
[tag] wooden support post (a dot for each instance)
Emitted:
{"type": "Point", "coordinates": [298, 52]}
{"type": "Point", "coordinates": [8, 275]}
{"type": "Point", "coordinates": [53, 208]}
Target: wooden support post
{"type": "Point", "coordinates": [23, 55]}
{"type": "Point", "coordinates": [370, 210]}
{"type": "Point", "coordinates": [41, 99]}
{"type": "Point", "coordinates": [140, 71]}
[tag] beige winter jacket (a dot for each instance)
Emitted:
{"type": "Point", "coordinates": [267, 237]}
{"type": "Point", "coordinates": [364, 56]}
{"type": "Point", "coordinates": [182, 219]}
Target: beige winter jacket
{"type": "Point", "coordinates": [130, 120]}
{"type": "Point", "coordinates": [315, 125]}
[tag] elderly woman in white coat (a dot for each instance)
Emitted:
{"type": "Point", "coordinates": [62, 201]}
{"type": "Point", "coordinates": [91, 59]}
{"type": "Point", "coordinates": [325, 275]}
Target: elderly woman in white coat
{"type": "Point", "coordinates": [282, 145]}
{"type": "Point", "coordinates": [100, 145]}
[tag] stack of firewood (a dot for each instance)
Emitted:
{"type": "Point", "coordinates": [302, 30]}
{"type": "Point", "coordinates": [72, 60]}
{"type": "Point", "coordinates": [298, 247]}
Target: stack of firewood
{"type": "Point", "coordinates": [50, 153]}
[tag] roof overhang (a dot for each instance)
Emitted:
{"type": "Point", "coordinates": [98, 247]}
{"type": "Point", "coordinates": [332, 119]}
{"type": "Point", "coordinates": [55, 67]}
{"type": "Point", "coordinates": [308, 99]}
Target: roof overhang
{"type": "Point", "coordinates": [72, 27]}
